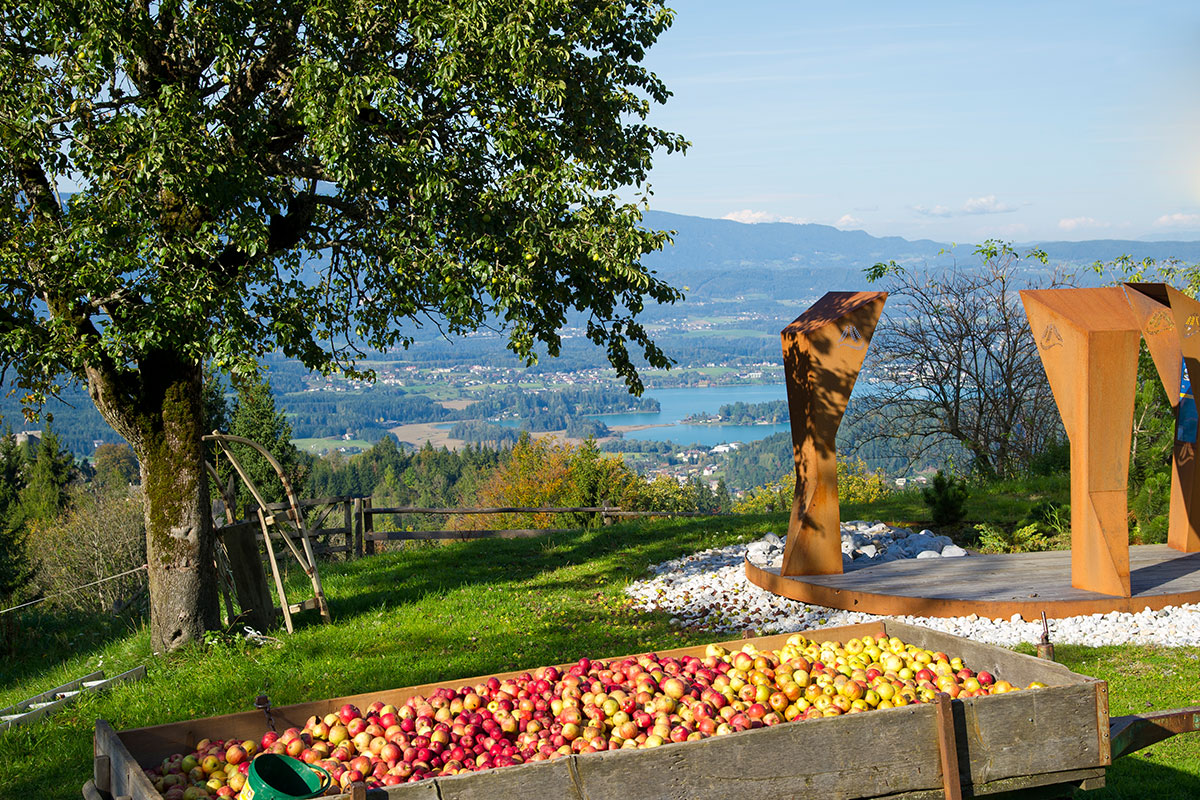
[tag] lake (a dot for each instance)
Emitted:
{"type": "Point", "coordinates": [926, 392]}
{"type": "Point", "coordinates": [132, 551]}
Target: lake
{"type": "Point", "coordinates": [675, 404]}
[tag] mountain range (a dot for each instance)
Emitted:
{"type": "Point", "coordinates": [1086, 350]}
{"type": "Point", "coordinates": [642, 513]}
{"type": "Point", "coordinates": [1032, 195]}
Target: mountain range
{"type": "Point", "coordinates": [719, 258]}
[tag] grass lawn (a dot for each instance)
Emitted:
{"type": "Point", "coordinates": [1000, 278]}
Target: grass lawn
{"type": "Point", "coordinates": [329, 443]}
{"type": "Point", "coordinates": [1006, 504]}
{"type": "Point", "coordinates": [440, 612]}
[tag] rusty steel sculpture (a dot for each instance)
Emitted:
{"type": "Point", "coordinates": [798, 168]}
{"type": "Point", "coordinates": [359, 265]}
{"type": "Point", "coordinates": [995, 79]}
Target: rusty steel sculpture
{"type": "Point", "coordinates": [1170, 322]}
{"type": "Point", "coordinates": [823, 351]}
{"type": "Point", "coordinates": [1088, 340]}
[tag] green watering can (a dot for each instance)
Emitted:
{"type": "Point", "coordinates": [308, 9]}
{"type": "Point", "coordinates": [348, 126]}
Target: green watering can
{"type": "Point", "coordinates": [276, 777]}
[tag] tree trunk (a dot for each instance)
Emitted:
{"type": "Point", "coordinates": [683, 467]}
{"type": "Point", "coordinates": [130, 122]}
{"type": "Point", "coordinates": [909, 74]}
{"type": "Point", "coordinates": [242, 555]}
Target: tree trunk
{"type": "Point", "coordinates": [158, 409]}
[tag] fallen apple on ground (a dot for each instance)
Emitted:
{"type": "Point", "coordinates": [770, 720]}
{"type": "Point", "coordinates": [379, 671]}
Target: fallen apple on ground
{"type": "Point", "coordinates": [636, 702]}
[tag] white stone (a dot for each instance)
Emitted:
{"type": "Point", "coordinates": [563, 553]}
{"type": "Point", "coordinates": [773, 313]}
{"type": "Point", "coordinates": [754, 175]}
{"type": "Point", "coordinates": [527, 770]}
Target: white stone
{"type": "Point", "coordinates": [953, 551]}
{"type": "Point", "coordinates": [868, 550]}
{"type": "Point", "coordinates": [772, 539]}
{"type": "Point", "coordinates": [929, 554]}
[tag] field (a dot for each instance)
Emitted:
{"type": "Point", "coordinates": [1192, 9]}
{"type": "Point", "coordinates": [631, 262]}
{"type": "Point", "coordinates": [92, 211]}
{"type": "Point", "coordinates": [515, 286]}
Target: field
{"type": "Point", "coordinates": [440, 612]}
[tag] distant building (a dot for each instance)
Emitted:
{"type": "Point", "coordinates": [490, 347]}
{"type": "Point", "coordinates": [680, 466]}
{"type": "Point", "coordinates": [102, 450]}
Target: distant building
{"type": "Point", "coordinates": [24, 436]}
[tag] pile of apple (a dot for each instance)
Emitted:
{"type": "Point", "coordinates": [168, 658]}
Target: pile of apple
{"type": "Point", "coordinates": [635, 702]}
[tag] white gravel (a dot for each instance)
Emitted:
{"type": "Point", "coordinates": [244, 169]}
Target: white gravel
{"type": "Point", "coordinates": [709, 590]}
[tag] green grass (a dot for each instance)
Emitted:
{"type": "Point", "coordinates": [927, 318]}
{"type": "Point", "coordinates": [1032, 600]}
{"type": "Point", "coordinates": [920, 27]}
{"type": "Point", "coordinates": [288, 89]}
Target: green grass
{"type": "Point", "coordinates": [1004, 503]}
{"type": "Point", "coordinates": [729, 333]}
{"type": "Point", "coordinates": [1142, 679]}
{"type": "Point", "coordinates": [442, 612]}
{"type": "Point", "coordinates": [330, 443]}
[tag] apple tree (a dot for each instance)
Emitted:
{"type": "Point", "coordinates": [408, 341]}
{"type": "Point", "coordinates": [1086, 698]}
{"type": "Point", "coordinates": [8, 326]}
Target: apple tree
{"type": "Point", "coordinates": [186, 183]}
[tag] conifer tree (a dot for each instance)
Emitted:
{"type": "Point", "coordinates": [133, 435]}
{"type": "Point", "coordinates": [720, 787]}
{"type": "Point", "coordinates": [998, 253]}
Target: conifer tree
{"type": "Point", "coordinates": [255, 417]}
{"type": "Point", "coordinates": [15, 567]}
{"type": "Point", "coordinates": [44, 495]}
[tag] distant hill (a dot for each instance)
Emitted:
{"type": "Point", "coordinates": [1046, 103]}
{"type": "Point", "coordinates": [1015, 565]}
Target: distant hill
{"type": "Point", "coordinates": [719, 259]}
{"type": "Point", "coordinates": [1095, 250]}
{"type": "Point", "coordinates": [743, 284]}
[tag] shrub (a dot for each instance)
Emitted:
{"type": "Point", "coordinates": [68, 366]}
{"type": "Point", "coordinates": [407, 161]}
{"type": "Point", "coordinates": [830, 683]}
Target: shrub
{"type": "Point", "coordinates": [774, 496]}
{"type": "Point", "coordinates": [1150, 508]}
{"type": "Point", "coordinates": [946, 497]}
{"type": "Point", "coordinates": [858, 484]}
{"type": "Point", "coordinates": [1026, 539]}
{"type": "Point", "coordinates": [102, 535]}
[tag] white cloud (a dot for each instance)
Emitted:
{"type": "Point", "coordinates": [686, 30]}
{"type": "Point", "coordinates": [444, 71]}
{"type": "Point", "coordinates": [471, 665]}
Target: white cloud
{"type": "Point", "coordinates": [936, 211]}
{"type": "Point", "coordinates": [988, 204]}
{"type": "Point", "coordinates": [750, 217]}
{"type": "Point", "coordinates": [1075, 223]}
{"type": "Point", "coordinates": [1178, 220]}
{"type": "Point", "coordinates": [848, 221]}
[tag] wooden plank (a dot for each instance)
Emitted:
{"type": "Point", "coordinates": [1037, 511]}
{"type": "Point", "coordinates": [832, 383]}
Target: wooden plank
{"type": "Point", "coordinates": [947, 748]}
{"type": "Point", "coordinates": [995, 586]}
{"type": "Point", "coordinates": [311, 502]}
{"type": "Point", "coordinates": [497, 510]}
{"type": "Point", "coordinates": [517, 533]}
{"type": "Point", "coordinates": [548, 780]}
{"type": "Point", "coordinates": [308, 605]}
{"type": "Point", "coordinates": [102, 773]}
{"type": "Point", "coordinates": [619, 513]}
{"type": "Point", "coordinates": [1029, 732]}
{"type": "Point", "coordinates": [368, 527]}
{"type": "Point", "coordinates": [283, 601]}
{"type": "Point", "coordinates": [249, 577]}
{"type": "Point", "coordinates": [1136, 731]}
{"type": "Point", "coordinates": [126, 776]}
{"type": "Point", "coordinates": [754, 765]}
{"type": "Point", "coordinates": [359, 517]}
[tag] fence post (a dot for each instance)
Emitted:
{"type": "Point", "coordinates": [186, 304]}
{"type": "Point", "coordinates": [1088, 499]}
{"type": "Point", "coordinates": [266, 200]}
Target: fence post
{"type": "Point", "coordinates": [348, 524]}
{"type": "Point", "coordinates": [357, 536]}
{"type": "Point", "coordinates": [368, 528]}
{"type": "Point", "coordinates": [605, 516]}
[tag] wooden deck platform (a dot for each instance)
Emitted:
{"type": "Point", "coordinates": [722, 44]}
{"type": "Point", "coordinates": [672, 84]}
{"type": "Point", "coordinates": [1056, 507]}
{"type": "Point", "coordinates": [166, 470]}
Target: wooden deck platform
{"type": "Point", "coordinates": [991, 585]}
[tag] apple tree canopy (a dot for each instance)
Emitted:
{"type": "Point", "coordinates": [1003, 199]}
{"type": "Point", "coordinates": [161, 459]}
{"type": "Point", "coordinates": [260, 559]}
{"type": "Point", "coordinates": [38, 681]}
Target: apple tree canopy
{"type": "Point", "coordinates": [244, 176]}
{"type": "Point", "coordinates": [303, 174]}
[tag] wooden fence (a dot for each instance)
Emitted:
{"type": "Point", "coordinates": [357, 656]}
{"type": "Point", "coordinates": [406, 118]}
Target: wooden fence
{"type": "Point", "coordinates": [347, 526]}
{"type": "Point", "coordinates": [358, 532]}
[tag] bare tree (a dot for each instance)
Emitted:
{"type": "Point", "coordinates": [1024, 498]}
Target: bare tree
{"type": "Point", "coordinates": [956, 360]}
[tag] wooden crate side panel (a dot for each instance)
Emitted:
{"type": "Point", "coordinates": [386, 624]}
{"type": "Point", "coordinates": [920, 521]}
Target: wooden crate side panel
{"type": "Point", "coordinates": [126, 778]}
{"type": "Point", "coordinates": [543, 780]}
{"type": "Point", "coordinates": [860, 755]}
{"type": "Point", "coordinates": [1017, 668]}
{"type": "Point", "coordinates": [1027, 733]}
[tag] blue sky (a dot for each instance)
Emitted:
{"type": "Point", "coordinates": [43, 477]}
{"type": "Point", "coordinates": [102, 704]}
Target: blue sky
{"type": "Point", "coordinates": [951, 121]}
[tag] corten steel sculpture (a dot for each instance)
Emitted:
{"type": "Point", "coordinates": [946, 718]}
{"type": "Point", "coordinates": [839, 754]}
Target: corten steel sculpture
{"type": "Point", "coordinates": [823, 351]}
{"type": "Point", "coordinates": [1088, 340]}
{"type": "Point", "coordinates": [1170, 322]}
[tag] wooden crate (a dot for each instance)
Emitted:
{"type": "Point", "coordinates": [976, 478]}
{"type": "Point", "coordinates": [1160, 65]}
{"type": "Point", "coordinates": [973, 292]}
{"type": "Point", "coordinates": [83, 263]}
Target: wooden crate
{"type": "Point", "coordinates": [1052, 737]}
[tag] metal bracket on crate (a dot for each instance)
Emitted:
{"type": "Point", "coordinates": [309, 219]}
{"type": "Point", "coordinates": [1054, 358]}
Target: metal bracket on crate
{"type": "Point", "coordinates": [263, 704]}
